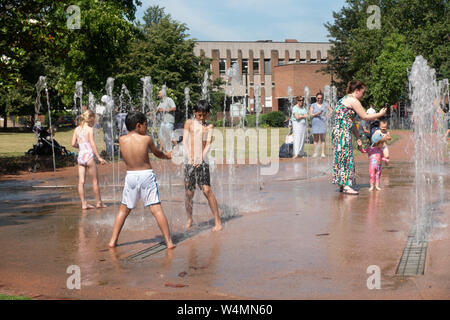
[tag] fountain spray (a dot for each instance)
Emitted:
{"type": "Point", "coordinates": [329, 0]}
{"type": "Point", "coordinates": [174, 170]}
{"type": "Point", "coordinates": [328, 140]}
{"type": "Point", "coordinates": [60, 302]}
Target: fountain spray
{"type": "Point", "coordinates": [42, 85]}
{"type": "Point", "coordinates": [428, 141]}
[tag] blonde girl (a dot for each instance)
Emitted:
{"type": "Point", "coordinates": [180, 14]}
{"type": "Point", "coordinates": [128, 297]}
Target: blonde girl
{"type": "Point", "coordinates": [83, 139]}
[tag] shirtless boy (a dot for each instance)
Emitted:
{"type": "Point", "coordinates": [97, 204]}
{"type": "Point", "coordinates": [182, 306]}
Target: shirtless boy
{"type": "Point", "coordinates": [140, 181]}
{"type": "Point", "coordinates": [197, 141]}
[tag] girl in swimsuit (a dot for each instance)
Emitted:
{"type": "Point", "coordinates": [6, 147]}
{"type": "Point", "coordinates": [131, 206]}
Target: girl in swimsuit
{"type": "Point", "coordinates": [83, 139]}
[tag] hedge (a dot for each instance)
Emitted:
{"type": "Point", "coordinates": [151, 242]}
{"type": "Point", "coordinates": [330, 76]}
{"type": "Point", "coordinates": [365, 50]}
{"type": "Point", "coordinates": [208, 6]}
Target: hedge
{"type": "Point", "coordinates": [272, 119]}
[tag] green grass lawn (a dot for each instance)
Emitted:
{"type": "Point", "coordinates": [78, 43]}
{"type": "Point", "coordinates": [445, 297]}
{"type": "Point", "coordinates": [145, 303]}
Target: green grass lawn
{"type": "Point", "coordinates": [8, 297]}
{"type": "Point", "coordinates": [16, 144]}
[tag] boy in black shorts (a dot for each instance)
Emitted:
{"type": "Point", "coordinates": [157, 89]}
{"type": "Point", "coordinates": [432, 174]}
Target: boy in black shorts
{"type": "Point", "coordinates": [197, 141]}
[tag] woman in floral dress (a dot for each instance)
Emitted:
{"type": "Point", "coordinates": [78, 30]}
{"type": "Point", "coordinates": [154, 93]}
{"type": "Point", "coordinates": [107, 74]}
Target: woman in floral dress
{"type": "Point", "coordinates": [341, 138]}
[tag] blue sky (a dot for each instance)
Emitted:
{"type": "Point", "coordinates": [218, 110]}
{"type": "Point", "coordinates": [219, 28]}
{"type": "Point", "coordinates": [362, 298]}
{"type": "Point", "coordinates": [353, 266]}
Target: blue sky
{"type": "Point", "coordinates": [250, 20]}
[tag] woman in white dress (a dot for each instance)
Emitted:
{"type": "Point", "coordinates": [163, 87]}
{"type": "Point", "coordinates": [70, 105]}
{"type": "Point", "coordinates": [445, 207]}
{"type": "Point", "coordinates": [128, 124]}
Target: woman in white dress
{"type": "Point", "coordinates": [298, 118]}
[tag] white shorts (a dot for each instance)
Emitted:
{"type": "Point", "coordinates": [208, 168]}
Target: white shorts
{"type": "Point", "coordinates": [140, 184]}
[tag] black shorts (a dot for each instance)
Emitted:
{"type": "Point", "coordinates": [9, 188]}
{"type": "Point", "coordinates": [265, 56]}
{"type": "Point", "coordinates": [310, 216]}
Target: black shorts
{"type": "Point", "coordinates": [199, 176]}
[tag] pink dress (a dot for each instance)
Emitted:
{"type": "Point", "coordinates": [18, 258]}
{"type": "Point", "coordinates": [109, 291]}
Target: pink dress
{"type": "Point", "coordinates": [375, 157]}
{"type": "Point", "coordinates": [85, 149]}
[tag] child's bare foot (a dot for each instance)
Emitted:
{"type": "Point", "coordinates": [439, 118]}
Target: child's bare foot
{"type": "Point", "coordinates": [101, 205]}
{"type": "Point", "coordinates": [189, 224]}
{"type": "Point", "coordinates": [87, 206]}
{"type": "Point", "coordinates": [371, 188]}
{"type": "Point", "coordinates": [217, 227]}
{"type": "Point", "coordinates": [112, 244]}
{"type": "Point", "coordinates": [378, 188]}
{"type": "Point", "coordinates": [170, 245]}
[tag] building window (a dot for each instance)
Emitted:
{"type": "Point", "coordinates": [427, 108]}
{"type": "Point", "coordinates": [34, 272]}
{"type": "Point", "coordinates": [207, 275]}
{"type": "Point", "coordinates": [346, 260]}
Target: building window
{"type": "Point", "coordinates": [244, 64]}
{"type": "Point", "coordinates": [281, 62]}
{"type": "Point", "coordinates": [255, 66]}
{"type": "Point", "coordinates": [267, 70]}
{"type": "Point", "coordinates": [233, 61]}
{"type": "Point", "coordinates": [222, 66]}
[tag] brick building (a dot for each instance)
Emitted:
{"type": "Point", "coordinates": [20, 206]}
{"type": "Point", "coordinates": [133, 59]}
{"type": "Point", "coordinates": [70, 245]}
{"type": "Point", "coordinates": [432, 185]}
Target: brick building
{"type": "Point", "coordinates": [273, 65]}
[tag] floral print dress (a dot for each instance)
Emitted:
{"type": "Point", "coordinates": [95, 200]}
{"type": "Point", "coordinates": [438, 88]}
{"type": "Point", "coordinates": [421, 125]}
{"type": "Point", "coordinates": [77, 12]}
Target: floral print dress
{"type": "Point", "coordinates": [341, 140]}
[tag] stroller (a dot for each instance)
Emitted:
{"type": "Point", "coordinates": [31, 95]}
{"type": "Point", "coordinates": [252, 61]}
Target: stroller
{"type": "Point", "coordinates": [43, 147]}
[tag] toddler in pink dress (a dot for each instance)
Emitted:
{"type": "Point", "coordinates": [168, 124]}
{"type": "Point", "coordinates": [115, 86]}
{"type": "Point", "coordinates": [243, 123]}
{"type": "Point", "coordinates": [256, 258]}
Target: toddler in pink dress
{"type": "Point", "coordinates": [375, 153]}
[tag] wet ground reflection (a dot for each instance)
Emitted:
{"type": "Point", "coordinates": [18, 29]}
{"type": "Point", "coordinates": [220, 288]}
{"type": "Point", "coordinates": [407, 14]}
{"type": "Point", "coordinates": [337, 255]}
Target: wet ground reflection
{"type": "Point", "coordinates": [297, 238]}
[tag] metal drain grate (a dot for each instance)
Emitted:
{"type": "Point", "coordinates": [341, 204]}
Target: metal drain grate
{"type": "Point", "coordinates": [412, 262]}
{"type": "Point", "coordinates": [176, 238]}
{"type": "Point", "coordinates": [148, 252]}
{"type": "Point", "coordinates": [230, 213]}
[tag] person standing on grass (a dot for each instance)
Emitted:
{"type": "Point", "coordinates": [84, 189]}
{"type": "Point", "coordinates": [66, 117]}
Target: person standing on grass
{"type": "Point", "coordinates": [319, 112]}
{"type": "Point", "coordinates": [167, 108]}
{"type": "Point", "coordinates": [299, 116]}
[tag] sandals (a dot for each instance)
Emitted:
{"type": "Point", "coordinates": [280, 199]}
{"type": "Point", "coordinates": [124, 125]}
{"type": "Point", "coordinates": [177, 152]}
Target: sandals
{"type": "Point", "coordinates": [350, 191]}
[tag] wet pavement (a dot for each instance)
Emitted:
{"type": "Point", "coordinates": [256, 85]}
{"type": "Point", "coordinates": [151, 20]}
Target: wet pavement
{"type": "Point", "coordinates": [292, 236]}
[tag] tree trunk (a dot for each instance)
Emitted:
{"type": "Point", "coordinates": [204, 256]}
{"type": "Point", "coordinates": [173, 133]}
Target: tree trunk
{"type": "Point", "coordinates": [5, 121]}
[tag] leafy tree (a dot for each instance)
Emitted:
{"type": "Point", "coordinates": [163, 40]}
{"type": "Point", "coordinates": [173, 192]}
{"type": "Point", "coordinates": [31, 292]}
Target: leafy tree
{"type": "Point", "coordinates": [153, 15]}
{"type": "Point", "coordinates": [426, 26]}
{"type": "Point", "coordinates": [31, 26]}
{"type": "Point", "coordinates": [217, 96]}
{"type": "Point", "coordinates": [128, 7]}
{"type": "Point", "coordinates": [93, 50]}
{"type": "Point", "coordinates": [167, 55]}
{"type": "Point", "coordinates": [26, 33]}
{"type": "Point", "coordinates": [24, 30]}
{"type": "Point", "coordinates": [388, 77]}
{"type": "Point", "coordinates": [356, 47]}
{"type": "Point", "coordinates": [35, 40]}
{"type": "Point", "coordinates": [342, 33]}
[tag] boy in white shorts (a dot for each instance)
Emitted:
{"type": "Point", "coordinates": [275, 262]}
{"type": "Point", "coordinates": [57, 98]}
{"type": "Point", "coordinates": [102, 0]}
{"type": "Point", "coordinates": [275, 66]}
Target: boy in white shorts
{"type": "Point", "coordinates": [140, 181]}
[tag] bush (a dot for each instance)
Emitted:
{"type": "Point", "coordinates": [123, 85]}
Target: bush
{"type": "Point", "coordinates": [217, 123]}
{"type": "Point", "coordinates": [273, 119]}
{"type": "Point", "coordinates": [25, 121]}
{"type": "Point", "coordinates": [250, 121]}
